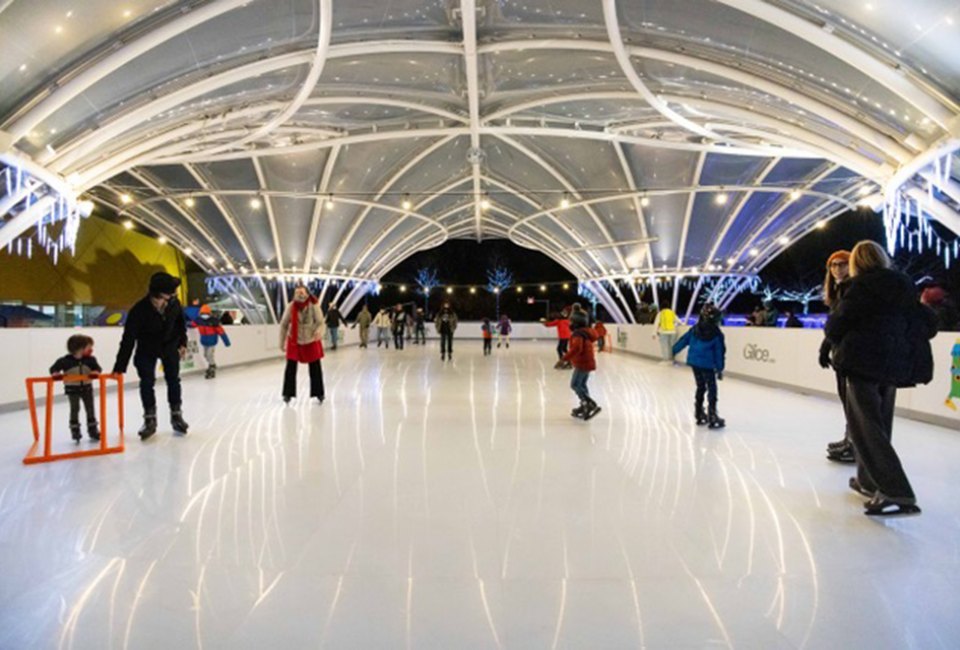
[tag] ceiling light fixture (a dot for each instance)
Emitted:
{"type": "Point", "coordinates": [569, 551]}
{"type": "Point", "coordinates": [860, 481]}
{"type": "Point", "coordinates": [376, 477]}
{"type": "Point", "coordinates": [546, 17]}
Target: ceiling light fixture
{"type": "Point", "coordinates": [125, 199]}
{"type": "Point", "coordinates": [190, 202]}
{"type": "Point", "coordinates": [128, 224]}
{"type": "Point", "coordinates": [721, 198]}
{"type": "Point", "coordinates": [565, 202]}
{"type": "Point", "coordinates": [329, 203]}
{"type": "Point", "coordinates": [644, 201]}
{"type": "Point", "coordinates": [255, 203]}
{"type": "Point", "coordinates": [794, 195]}
{"type": "Point", "coordinates": [406, 204]}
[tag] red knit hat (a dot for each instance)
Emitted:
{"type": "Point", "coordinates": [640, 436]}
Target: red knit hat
{"type": "Point", "coordinates": [838, 255]}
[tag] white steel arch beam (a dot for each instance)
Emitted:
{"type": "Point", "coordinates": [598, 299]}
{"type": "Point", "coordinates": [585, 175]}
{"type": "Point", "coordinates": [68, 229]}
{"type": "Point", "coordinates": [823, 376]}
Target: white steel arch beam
{"type": "Point", "coordinates": [198, 224]}
{"type": "Point", "coordinates": [868, 134]}
{"type": "Point", "coordinates": [228, 217]}
{"type": "Point", "coordinates": [468, 17]}
{"type": "Point", "coordinates": [687, 215]}
{"type": "Point", "coordinates": [732, 217]}
{"type": "Point", "coordinates": [394, 178]}
{"type": "Point", "coordinates": [128, 51]}
{"type": "Point", "coordinates": [937, 108]}
{"type": "Point", "coordinates": [324, 31]}
{"type": "Point", "coordinates": [318, 207]}
{"type": "Point", "coordinates": [777, 212]}
{"type": "Point", "coordinates": [637, 206]}
{"type": "Point", "coordinates": [272, 219]}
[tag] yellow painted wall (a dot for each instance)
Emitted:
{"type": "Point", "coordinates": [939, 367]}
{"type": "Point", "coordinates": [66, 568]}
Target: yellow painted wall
{"type": "Point", "coordinates": [112, 267]}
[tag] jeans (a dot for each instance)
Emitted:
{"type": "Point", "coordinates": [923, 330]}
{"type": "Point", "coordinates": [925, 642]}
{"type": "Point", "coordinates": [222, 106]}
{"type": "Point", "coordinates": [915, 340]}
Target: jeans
{"type": "Point", "coordinates": [420, 334]}
{"type": "Point", "coordinates": [487, 346]}
{"type": "Point", "coordinates": [383, 336]}
{"type": "Point", "coordinates": [85, 395]}
{"type": "Point", "coordinates": [210, 355]}
{"type": "Point", "coordinates": [334, 336]}
{"type": "Point", "coordinates": [706, 379]}
{"type": "Point", "coordinates": [869, 408]}
{"type": "Point", "coordinates": [398, 339]}
{"type": "Point", "coordinates": [290, 379]}
{"type": "Point", "coordinates": [578, 383]}
{"type": "Point", "coordinates": [147, 371]}
{"type": "Point", "coordinates": [600, 343]}
{"type": "Point", "coordinates": [562, 346]}
{"type": "Point", "coordinates": [667, 340]}
{"type": "Point", "coordinates": [446, 343]}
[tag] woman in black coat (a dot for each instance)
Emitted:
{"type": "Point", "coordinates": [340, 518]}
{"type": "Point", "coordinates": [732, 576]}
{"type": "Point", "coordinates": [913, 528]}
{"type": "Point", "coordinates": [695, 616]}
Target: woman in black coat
{"type": "Point", "coordinates": [834, 286]}
{"type": "Point", "coordinates": [880, 334]}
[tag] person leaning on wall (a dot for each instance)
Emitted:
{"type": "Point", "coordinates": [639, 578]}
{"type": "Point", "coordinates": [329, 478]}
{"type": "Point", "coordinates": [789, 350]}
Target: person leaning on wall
{"type": "Point", "coordinates": [880, 336]}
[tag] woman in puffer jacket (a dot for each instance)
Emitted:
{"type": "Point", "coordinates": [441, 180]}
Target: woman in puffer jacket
{"type": "Point", "coordinates": [880, 335]}
{"type": "Point", "coordinates": [300, 330]}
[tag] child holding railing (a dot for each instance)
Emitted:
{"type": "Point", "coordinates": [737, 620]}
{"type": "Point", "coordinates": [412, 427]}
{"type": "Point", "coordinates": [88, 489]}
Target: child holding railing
{"type": "Point", "coordinates": [79, 361]}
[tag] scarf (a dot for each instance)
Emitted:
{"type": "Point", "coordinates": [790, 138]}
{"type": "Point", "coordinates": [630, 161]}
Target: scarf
{"type": "Point", "coordinates": [295, 317]}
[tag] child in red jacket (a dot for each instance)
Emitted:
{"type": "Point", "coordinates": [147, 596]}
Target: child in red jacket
{"type": "Point", "coordinates": [582, 357]}
{"type": "Point", "coordinates": [563, 336]}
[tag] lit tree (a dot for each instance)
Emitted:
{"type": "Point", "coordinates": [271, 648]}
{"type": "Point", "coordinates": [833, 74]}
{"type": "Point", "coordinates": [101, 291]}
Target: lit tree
{"type": "Point", "coordinates": [499, 279]}
{"type": "Point", "coordinates": [426, 279]}
{"type": "Point", "coordinates": [804, 297]}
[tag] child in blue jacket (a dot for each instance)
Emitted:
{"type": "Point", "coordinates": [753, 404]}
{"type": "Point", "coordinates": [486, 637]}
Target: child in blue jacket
{"type": "Point", "coordinates": [705, 357]}
{"type": "Point", "coordinates": [211, 331]}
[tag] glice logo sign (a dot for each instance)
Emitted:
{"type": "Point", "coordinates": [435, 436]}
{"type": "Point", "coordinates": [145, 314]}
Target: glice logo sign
{"type": "Point", "coordinates": [753, 352]}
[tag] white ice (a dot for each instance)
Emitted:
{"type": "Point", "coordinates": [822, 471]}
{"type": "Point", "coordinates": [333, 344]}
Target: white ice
{"type": "Point", "coordinates": [458, 505]}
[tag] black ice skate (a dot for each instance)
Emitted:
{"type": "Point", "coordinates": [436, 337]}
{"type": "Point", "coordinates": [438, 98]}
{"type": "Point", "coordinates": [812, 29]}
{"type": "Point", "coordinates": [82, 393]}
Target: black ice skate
{"type": "Point", "coordinates": [179, 425]}
{"type": "Point", "coordinates": [75, 432]}
{"type": "Point", "coordinates": [93, 432]}
{"type": "Point", "coordinates": [591, 411]}
{"type": "Point", "coordinates": [149, 424]}
{"type": "Point", "coordinates": [579, 411]}
{"type": "Point", "coordinates": [700, 415]}
{"type": "Point", "coordinates": [715, 421]}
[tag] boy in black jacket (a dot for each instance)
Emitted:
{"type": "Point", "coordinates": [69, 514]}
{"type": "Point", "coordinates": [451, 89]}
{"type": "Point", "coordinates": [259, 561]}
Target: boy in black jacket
{"type": "Point", "coordinates": [79, 361]}
{"type": "Point", "coordinates": [156, 326]}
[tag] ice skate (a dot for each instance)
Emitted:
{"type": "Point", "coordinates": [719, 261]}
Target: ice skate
{"type": "Point", "coordinates": [715, 421]}
{"type": "Point", "coordinates": [75, 432]}
{"type": "Point", "coordinates": [179, 425]}
{"type": "Point", "coordinates": [700, 415]}
{"type": "Point", "coordinates": [149, 424]}
{"type": "Point", "coordinates": [93, 432]}
{"type": "Point", "coordinates": [591, 411]}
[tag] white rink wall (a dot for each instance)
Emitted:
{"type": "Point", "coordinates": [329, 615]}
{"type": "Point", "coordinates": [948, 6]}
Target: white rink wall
{"type": "Point", "coordinates": [789, 358]}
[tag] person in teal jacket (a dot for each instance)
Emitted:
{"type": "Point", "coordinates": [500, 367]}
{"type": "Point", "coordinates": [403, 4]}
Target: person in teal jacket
{"type": "Point", "coordinates": [706, 358]}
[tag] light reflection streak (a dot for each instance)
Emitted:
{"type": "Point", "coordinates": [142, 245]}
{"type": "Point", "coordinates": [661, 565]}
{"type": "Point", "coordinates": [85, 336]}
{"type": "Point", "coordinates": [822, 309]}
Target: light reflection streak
{"type": "Point", "coordinates": [69, 629]}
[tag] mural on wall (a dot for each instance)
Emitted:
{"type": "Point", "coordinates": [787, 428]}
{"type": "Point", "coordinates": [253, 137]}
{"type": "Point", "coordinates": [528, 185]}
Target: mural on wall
{"type": "Point", "coordinates": [954, 377]}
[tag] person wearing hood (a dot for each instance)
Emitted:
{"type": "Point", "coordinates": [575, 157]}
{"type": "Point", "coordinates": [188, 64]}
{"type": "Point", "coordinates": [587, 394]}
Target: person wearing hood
{"type": "Point", "coordinates": [581, 356]}
{"type": "Point", "coordinates": [835, 284]}
{"type": "Point", "coordinates": [364, 319]}
{"type": "Point", "coordinates": [706, 358]}
{"type": "Point", "coordinates": [211, 331]}
{"type": "Point", "coordinates": [301, 328]}
{"type": "Point", "coordinates": [383, 322]}
{"type": "Point", "coordinates": [880, 336]}
{"type": "Point", "coordinates": [156, 327]}
{"type": "Point", "coordinates": [334, 320]}
{"type": "Point", "coordinates": [504, 328]}
{"type": "Point", "coordinates": [446, 324]}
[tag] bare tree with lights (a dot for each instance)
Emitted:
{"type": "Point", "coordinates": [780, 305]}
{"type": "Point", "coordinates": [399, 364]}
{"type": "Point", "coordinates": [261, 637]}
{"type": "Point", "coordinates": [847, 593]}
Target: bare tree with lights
{"type": "Point", "coordinates": [426, 279]}
{"type": "Point", "coordinates": [499, 279]}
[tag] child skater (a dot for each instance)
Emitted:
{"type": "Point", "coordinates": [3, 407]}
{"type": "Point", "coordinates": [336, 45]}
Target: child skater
{"type": "Point", "coordinates": [79, 361]}
{"type": "Point", "coordinates": [563, 336]}
{"type": "Point", "coordinates": [504, 327]}
{"type": "Point", "coordinates": [582, 357]}
{"type": "Point", "coordinates": [706, 357]}
{"type": "Point", "coordinates": [601, 331]}
{"type": "Point", "coordinates": [211, 331]}
{"type": "Point", "coordinates": [487, 330]}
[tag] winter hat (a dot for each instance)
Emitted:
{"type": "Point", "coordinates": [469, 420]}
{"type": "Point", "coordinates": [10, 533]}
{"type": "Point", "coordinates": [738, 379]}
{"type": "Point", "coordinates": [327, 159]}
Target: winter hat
{"type": "Point", "coordinates": [578, 319]}
{"type": "Point", "coordinates": [841, 255]}
{"type": "Point", "coordinates": [710, 314]}
{"type": "Point", "coordinates": [205, 309]}
{"type": "Point", "coordinates": [163, 283]}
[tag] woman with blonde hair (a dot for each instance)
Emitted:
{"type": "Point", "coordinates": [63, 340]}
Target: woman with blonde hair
{"type": "Point", "coordinates": [834, 286]}
{"type": "Point", "coordinates": [880, 335]}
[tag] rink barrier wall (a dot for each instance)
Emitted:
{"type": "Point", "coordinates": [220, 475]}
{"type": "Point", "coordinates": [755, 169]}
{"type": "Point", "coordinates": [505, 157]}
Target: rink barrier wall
{"type": "Point", "coordinates": [788, 358]}
{"type": "Point", "coordinates": [31, 352]}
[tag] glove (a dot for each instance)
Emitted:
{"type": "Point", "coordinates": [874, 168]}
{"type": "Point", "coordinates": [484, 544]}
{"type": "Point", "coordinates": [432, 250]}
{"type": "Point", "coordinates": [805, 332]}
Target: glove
{"type": "Point", "coordinates": [719, 375]}
{"type": "Point", "coordinates": [824, 357]}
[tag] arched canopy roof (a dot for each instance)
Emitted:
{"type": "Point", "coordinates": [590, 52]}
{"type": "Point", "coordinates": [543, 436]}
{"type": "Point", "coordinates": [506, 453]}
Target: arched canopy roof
{"type": "Point", "coordinates": [619, 136]}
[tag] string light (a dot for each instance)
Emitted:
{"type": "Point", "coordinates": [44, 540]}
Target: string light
{"type": "Point", "coordinates": [794, 195]}
{"type": "Point", "coordinates": [565, 202]}
{"type": "Point", "coordinates": [329, 203]}
{"type": "Point", "coordinates": [645, 201]}
{"type": "Point", "coordinates": [125, 199]}
{"type": "Point", "coordinates": [128, 224]}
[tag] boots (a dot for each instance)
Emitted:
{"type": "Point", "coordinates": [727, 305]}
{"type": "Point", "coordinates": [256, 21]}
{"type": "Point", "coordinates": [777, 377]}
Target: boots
{"type": "Point", "coordinates": [93, 431]}
{"type": "Point", "coordinates": [714, 420]}
{"type": "Point", "coordinates": [700, 415]}
{"type": "Point", "coordinates": [591, 410]}
{"type": "Point", "coordinates": [177, 422]}
{"type": "Point", "coordinates": [149, 423]}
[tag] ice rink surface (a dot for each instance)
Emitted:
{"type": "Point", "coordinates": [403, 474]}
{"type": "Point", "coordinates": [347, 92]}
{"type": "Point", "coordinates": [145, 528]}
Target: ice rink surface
{"type": "Point", "coordinates": [458, 505]}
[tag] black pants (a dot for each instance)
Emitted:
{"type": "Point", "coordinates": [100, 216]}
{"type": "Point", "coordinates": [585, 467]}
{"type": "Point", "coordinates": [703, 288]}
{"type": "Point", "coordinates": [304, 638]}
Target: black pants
{"type": "Point", "coordinates": [147, 371]}
{"type": "Point", "coordinates": [290, 379]}
{"type": "Point", "coordinates": [420, 334]}
{"type": "Point", "coordinates": [487, 346]}
{"type": "Point", "coordinates": [869, 408]}
{"type": "Point", "coordinates": [446, 343]}
{"type": "Point", "coordinates": [706, 385]}
{"type": "Point", "coordinates": [562, 346]}
{"type": "Point", "coordinates": [842, 392]}
{"type": "Point", "coordinates": [85, 395]}
{"type": "Point", "coordinates": [398, 339]}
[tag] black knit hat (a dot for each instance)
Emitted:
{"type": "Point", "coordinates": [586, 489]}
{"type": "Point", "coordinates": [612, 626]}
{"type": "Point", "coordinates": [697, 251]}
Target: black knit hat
{"type": "Point", "coordinates": [578, 319]}
{"type": "Point", "coordinates": [163, 283]}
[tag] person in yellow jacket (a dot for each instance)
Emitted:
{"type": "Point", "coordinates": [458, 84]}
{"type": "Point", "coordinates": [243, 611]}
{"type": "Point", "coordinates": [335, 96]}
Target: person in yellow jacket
{"type": "Point", "coordinates": [665, 325]}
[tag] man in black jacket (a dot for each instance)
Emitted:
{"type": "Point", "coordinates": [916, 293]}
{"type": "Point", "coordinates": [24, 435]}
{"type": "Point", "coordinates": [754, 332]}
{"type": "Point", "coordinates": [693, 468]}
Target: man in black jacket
{"type": "Point", "coordinates": [157, 328]}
